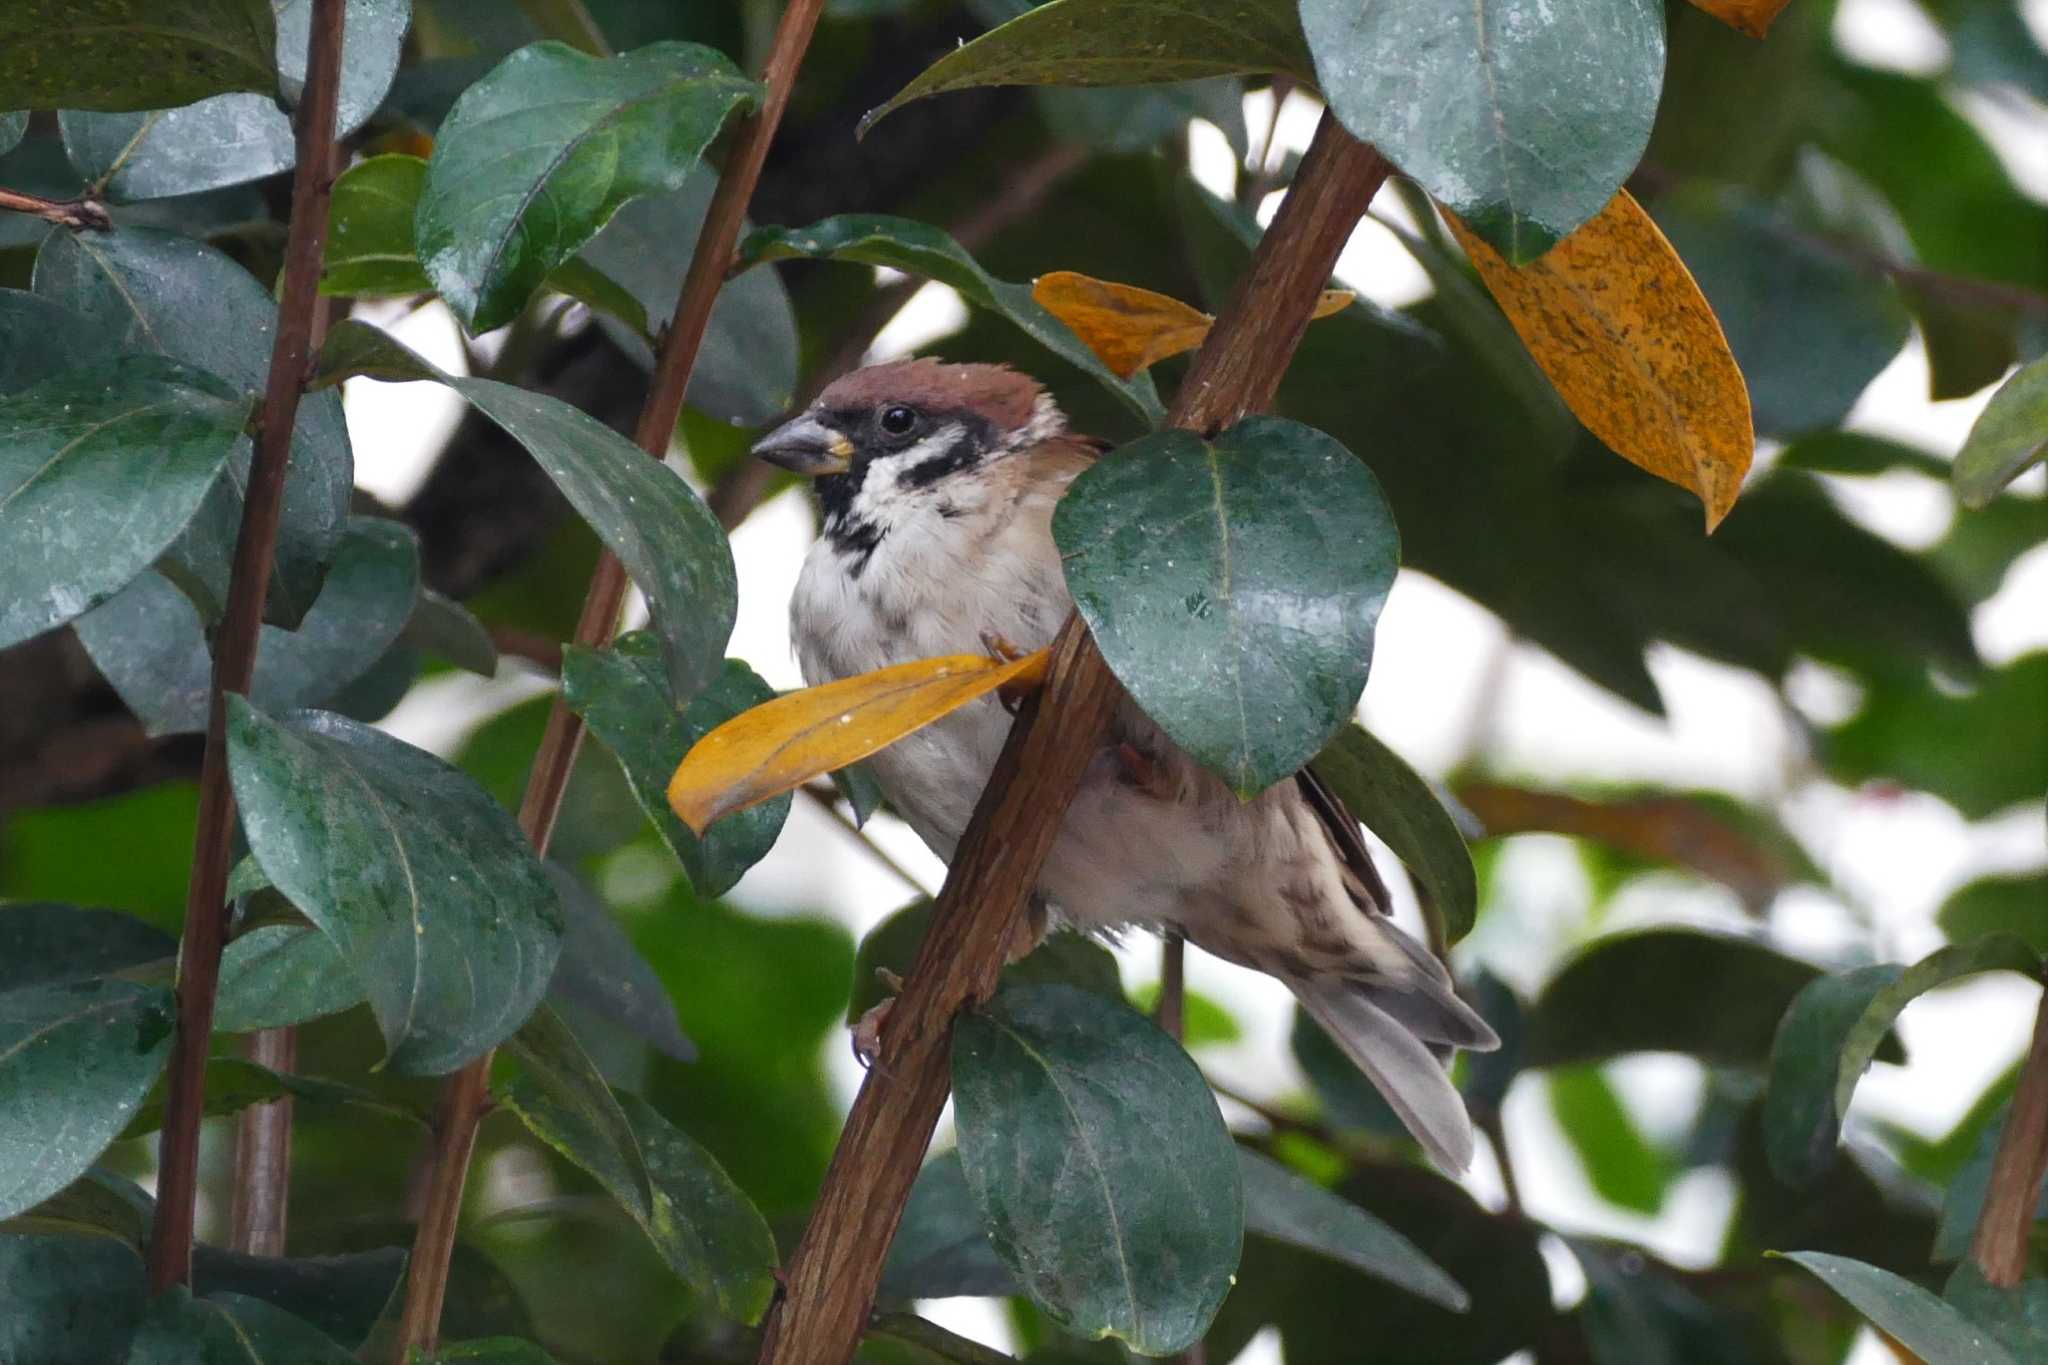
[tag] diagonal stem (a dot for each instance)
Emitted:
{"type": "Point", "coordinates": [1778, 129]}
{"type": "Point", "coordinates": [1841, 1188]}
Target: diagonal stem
{"type": "Point", "coordinates": [832, 1278]}
{"type": "Point", "coordinates": [464, 1099]}
{"type": "Point", "coordinates": [234, 659]}
{"type": "Point", "coordinates": [1999, 1247]}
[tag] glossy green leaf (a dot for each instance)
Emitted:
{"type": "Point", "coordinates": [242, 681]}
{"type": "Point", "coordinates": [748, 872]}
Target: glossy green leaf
{"type": "Point", "coordinates": [540, 153]}
{"type": "Point", "coordinates": [1809, 327]}
{"type": "Point", "coordinates": [1962, 1202]}
{"type": "Point", "coordinates": [941, 1248]}
{"type": "Point", "coordinates": [1714, 996]}
{"type": "Point", "coordinates": [444, 627]}
{"type": "Point", "coordinates": [1999, 905]}
{"type": "Point", "coordinates": [233, 1085]}
{"type": "Point", "coordinates": [134, 54]}
{"type": "Point", "coordinates": [700, 1222]}
{"type": "Point", "coordinates": [1400, 806]}
{"type": "Point", "coordinates": [97, 1204]}
{"type": "Point", "coordinates": [1233, 586]}
{"type": "Point", "coordinates": [149, 642]}
{"type": "Point", "coordinates": [40, 340]}
{"type": "Point", "coordinates": [1617, 1160]}
{"type": "Point", "coordinates": [746, 370]}
{"type": "Point", "coordinates": [75, 1300]}
{"type": "Point", "coordinates": [1832, 1033]}
{"type": "Point", "coordinates": [1636, 1312]}
{"type": "Point", "coordinates": [860, 790]}
{"type": "Point", "coordinates": [1289, 1209]}
{"type": "Point", "coordinates": [1121, 42]}
{"type": "Point", "coordinates": [369, 229]}
{"type": "Point", "coordinates": [99, 472]}
{"type": "Point", "coordinates": [12, 126]}
{"type": "Point", "coordinates": [148, 290]}
{"type": "Point", "coordinates": [622, 694]}
{"type": "Point", "coordinates": [227, 1329]}
{"type": "Point", "coordinates": [1106, 1179]}
{"type": "Point", "coordinates": [601, 971]}
{"type": "Point", "coordinates": [76, 1058]}
{"type": "Point", "coordinates": [42, 943]}
{"type": "Point", "coordinates": [563, 1098]}
{"type": "Point", "coordinates": [920, 249]}
{"type": "Point", "coordinates": [424, 883]}
{"type": "Point", "coordinates": [1522, 119]}
{"type": "Point", "coordinates": [2009, 435]}
{"type": "Point", "coordinates": [279, 974]}
{"type": "Point", "coordinates": [661, 531]}
{"type": "Point", "coordinates": [2017, 1317]}
{"type": "Point", "coordinates": [342, 1296]}
{"type": "Point", "coordinates": [1917, 1320]}
{"type": "Point", "coordinates": [1912, 731]}
{"type": "Point", "coordinates": [232, 138]}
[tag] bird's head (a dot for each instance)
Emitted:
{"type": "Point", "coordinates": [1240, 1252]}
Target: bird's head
{"type": "Point", "coordinates": [890, 439]}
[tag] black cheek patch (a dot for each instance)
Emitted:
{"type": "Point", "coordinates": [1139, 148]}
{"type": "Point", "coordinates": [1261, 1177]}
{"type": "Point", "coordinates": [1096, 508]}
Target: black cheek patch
{"type": "Point", "coordinates": [965, 452]}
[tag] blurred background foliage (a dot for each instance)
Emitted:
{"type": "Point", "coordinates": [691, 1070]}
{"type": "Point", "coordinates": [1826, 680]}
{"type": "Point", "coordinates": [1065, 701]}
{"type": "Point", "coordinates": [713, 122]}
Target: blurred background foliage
{"type": "Point", "coordinates": [1834, 213]}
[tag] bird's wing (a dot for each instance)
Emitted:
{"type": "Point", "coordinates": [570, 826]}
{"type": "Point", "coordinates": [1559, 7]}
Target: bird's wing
{"type": "Point", "coordinates": [1361, 878]}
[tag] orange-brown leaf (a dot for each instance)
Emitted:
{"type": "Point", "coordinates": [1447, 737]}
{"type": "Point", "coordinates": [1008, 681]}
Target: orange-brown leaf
{"type": "Point", "coordinates": [1752, 17]}
{"type": "Point", "coordinates": [1133, 328]}
{"type": "Point", "coordinates": [1615, 319]}
{"type": "Point", "coordinates": [782, 744]}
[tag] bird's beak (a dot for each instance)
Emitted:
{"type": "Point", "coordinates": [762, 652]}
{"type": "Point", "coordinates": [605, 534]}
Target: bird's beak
{"type": "Point", "coordinates": [804, 445]}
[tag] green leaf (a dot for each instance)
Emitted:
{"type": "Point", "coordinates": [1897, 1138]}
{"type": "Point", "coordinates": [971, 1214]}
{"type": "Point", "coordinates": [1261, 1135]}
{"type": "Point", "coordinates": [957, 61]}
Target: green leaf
{"type": "Point", "coordinates": [233, 1085]}
{"type": "Point", "coordinates": [746, 370]}
{"type": "Point", "coordinates": [661, 531]}
{"type": "Point", "coordinates": [1992, 905]}
{"type": "Point", "coordinates": [134, 54]}
{"type": "Point", "coordinates": [1858, 453]}
{"type": "Point", "coordinates": [149, 642]}
{"type": "Point", "coordinates": [489, 1351]}
{"type": "Point", "coordinates": [1832, 1033]}
{"type": "Point", "coordinates": [1809, 328]}
{"type": "Point", "coordinates": [229, 139]}
{"type": "Point", "coordinates": [540, 153]}
{"type": "Point", "coordinates": [563, 1098]}
{"type": "Point", "coordinates": [1636, 1312]}
{"type": "Point", "coordinates": [146, 290]}
{"type": "Point", "coordinates": [76, 1058]}
{"type": "Point", "coordinates": [68, 1299]}
{"type": "Point", "coordinates": [623, 695]}
{"type": "Point", "coordinates": [1618, 1161]}
{"type": "Point", "coordinates": [369, 229]}
{"type": "Point", "coordinates": [139, 437]}
{"type": "Point", "coordinates": [1400, 806]}
{"type": "Point", "coordinates": [2017, 1317]}
{"type": "Point", "coordinates": [1105, 1176]}
{"type": "Point", "coordinates": [423, 882]}
{"type": "Point", "coordinates": [1969, 1185]}
{"type": "Point", "coordinates": [1233, 586]}
{"type": "Point", "coordinates": [1064, 957]}
{"type": "Point", "coordinates": [42, 943]}
{"type": "Point", "coordinates": [1923, 1324]}
{"type": "Point", "coordinates": [1910, 730]}
{"type": "Point", "coordinates": [97, 1204]}
{"type": "Point", "coordinates": [1283, 1206]}
{"type": "Point", "coordinates": [861, 790]}
{"type": "Point", "coordinates": [1716, 997]}
{"type": "Point", "coordinates": [920, 249]}
{"type": "Point", "coordinates": [1522, 121]}
{"type": "Point", "coordinates": [2008, 436]}
{"type": "Point", "coordinates": [40, 340]}
{"type": "Point", "coordinates": [227, 1329]}
{"type": "Point", "coordinates": [941, 1248]}
{"type": "Point", "coordinates": [602, 972]}
{"type": "Point", "coordinates": [443, 626]}
{"type": "Point", "coordinates": [12, 126]}
{"type": "Point", "coordinates": [279, 974]}
{"type": "Point", "coordinates": [1120, 42]}
{"type": "Point", "coordinates": [696, 1217]}
{"type": "Point", "coordinates": [342, 1296]}
{"type": "Point", "coordinates": [598, 810]}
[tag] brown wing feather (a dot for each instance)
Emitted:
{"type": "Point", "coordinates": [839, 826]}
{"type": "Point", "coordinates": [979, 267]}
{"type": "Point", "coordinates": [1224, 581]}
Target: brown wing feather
{"type": "Point", "coordinates": [1361, 878]}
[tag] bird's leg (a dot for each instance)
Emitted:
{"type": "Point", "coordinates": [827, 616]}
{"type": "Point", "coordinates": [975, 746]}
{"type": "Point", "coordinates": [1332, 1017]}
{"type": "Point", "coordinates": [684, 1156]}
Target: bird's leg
{"type": "Point", "coordinates": [1000, 647]}
{"type": "Point", "coordinates": [867, 1032]}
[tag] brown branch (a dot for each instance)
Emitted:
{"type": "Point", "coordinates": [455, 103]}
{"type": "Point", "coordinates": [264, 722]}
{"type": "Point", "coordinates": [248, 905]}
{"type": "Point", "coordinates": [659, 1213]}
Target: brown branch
{"type": "Point", "coordinates": [263, 1154]}
{"type": "Point", "coordinates": [464, 1098]}
{"type": "Point", "coordinates": [76, 214]}
{"type": "Point", "coordinates": [2000, 1245]}
{"type": "Point", "coordinates": [234, 660]}
{"type": "Point", "coordinates": [1170, 1013]}
{"type": "Point", "coordinates": [831, 1280]}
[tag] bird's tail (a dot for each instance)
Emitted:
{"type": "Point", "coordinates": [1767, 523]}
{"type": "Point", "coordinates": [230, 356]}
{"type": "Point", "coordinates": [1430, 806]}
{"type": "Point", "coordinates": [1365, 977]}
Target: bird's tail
{"type": "Point", "coordinates": [1395, 1033]}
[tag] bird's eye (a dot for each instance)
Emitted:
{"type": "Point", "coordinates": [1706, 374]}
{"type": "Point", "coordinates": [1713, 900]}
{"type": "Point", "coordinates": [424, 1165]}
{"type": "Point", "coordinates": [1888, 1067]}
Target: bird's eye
{"type": "Point", "coordinates": [897, 420]}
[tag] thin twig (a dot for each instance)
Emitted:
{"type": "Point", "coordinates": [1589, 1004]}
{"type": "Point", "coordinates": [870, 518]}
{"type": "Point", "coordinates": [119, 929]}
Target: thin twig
{"type": "Point", "coordinates": [826, 802]}
{"type": "Point", "coordinates": [463, 1099]}
{"type": "Point", "coordinates": [831, 1280]}
{"type": "Point", "coordinates": [234, 660]}
{"type": "Point", "coordinates": [76, 214]}
{"type": "Point", "coordinates": [1999, 1246]}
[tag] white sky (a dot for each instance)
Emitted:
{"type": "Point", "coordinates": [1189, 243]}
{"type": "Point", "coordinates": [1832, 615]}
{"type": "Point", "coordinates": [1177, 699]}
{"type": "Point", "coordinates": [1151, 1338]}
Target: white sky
{"type": "Point", "coordinates": [1896, 856]}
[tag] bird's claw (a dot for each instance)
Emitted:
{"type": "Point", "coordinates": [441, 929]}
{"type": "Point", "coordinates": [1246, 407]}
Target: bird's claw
{"type": "Point", "coordinates": [999, 646]}
{"type": "Point", "coordinates": [867, 1031]}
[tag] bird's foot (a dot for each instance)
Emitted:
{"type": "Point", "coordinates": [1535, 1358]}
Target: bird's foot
{"type": "Point", "coordinates": [1010, 695]}
{"type": "Point", "coordinates": [999, 646]}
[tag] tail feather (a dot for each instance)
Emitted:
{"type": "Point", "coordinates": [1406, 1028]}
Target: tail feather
{"type": "Point", "coordinates": [1368, 1025]}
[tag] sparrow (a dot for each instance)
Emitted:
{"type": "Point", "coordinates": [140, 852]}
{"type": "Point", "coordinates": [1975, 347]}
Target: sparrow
{"type": "Point", "coordinates": [937, 484]}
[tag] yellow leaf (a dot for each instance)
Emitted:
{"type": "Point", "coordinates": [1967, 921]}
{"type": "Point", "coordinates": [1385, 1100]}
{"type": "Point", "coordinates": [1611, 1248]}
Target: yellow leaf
{"type": "Point", "coordinates": [1752, 17]}
{"type": "Point", "coordinates": [1614, 318]}
{"type": "Point", "coordinates": [1133, 328]}
{"type": "Point", "coordinates": [782, 744]}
